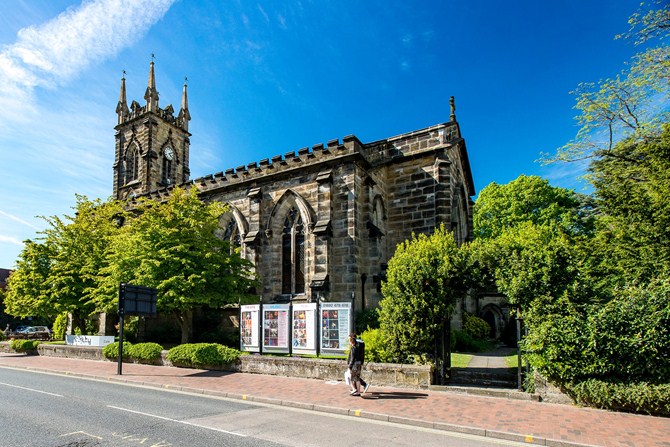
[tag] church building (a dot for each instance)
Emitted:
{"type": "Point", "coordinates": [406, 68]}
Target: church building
{"type": "Point", "coordinates": [318, 223]}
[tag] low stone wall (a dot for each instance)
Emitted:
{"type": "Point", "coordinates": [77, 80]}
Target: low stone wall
{"type": "Point", "coordinates": [549, 392]}
{"type": "Point", "coordinates": [380, 374]}
{"type": "Point", "coordinates": [72, 352]}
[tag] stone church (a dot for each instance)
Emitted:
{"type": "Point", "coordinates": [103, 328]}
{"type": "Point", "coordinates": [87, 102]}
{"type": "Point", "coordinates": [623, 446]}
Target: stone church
{"type": "Point", "coordinates": [319, 223]}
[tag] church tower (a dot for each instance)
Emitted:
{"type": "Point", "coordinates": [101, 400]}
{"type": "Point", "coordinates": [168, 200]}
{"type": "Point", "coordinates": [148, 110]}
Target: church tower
{"type": "Point", "coordinates": [152, 145]}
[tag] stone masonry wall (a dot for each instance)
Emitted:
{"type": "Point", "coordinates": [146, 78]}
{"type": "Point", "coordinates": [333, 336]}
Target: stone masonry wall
{"type": "Point", "coordinates": [381, 374]}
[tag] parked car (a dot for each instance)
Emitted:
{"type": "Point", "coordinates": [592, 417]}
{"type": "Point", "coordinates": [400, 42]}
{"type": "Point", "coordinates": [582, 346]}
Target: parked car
{"type": "Point", "coordinates": [33, 333]}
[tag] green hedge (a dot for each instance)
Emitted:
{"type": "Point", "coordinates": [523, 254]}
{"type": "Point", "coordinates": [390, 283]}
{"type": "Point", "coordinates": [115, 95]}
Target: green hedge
{"type": "Point", "coordinates": [24, 345]}
{"type": "Point", "coordinates": [145, 352]}
{"type": "Point", "coordinates": [375, 346]}
{"type": "Point", "coordinates": [640, 397]}
{"type": "Point", "coordinates": [111, 351]}
{"type": "Point", "coordinates": [202, 355]}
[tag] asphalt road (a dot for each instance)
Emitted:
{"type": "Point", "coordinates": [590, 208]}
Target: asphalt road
{"type": "Point", "coordinates": [44, 410]}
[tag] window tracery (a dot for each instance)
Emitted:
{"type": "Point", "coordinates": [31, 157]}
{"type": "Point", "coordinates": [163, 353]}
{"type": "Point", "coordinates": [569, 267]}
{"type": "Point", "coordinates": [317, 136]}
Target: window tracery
{"type": "Point", "coordinates": [293, 253]}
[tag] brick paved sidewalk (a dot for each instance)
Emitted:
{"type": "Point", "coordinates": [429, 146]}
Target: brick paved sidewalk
{"type": "Point", "coordinates": [519, 420]}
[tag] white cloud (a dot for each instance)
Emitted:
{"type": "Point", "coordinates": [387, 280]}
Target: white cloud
{"type": "Point", "coordinates": [19, 220]}
{"type": "Point", "coordinates": [10, 240]}
{"type": "Point", "coordinates": [54, 52]}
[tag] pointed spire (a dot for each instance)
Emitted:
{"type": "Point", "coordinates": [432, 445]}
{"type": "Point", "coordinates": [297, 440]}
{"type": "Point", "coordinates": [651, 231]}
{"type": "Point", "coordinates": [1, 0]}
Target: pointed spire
{"type": "Point", "coordinates": [122, 106]}
{"type": "Point", "coordinates": [151, 95]}
{"type": "Point", "coordinates": [184, 115]}
{"type": "Point", "coordinates": [452, 107]}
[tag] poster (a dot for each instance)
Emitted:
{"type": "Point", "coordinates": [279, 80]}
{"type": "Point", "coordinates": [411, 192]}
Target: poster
{"type": "Point", "coordinates": [275, 328]}
{"type": "Point", "coordinates": [249, 325]}
{"type": "Point", "coordinates": [335, 327]}
{"type": "Point", "coordinates": [304, 328]}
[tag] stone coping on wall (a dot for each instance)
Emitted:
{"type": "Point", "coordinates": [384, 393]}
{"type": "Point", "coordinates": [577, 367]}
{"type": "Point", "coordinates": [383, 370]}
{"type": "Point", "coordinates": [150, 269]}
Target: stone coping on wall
{"type": "Point", "coordinates": [381, 374]}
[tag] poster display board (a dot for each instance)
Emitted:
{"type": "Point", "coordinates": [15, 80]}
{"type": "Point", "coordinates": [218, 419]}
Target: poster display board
{"type": "Point", "coordinates": [276, 328]}
{"type": "Point", "coordinates": [249, 328]}
{"type": "Point", "coordinates": [335, 324]}
{"type": "Point", "coordinates": [303, 324]}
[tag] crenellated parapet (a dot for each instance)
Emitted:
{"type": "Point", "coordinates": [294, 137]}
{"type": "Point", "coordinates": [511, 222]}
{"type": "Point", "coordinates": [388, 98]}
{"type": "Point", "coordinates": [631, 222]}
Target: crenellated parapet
{"type": "Point", "coordinates": [320, 153]}
{"type": "Point", "coordinates": [438, 137]}
{"type": "Point", "coordinates": [167, 114]}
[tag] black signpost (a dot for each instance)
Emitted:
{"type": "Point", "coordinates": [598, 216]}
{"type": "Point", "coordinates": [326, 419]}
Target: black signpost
{"type": "Point", "coordinates": [134, 300]}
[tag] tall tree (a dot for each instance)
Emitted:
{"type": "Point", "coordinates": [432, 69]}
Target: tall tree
{"type": "Point", "coordinates": [59, 273]}
{"type": "Point", "coordinates": [528, 199]}
{"type": "Point", "coordinates": [532, 242]}
{"type": "Point", "coordinates": [624, 134]}
{"type": "Point", "coordinates": [425, 277]}
{"type": "Point", "coordinates": [631, 194]}
{"type": "Point", "coordinates": [633, 105]}
{"type": "Point", "coordinates": [173, 247]}
{"type": "Point", "coordinates": [28, 290]}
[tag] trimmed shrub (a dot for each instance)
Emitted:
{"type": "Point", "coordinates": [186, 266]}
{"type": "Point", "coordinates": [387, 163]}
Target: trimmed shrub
{"type": "Point", "coordinates": [24, 345]}
{"type": "Point", "coordinates": [375, 346]}
{"type": "Point", "coordinates": [476, 327]}
{"type": "Point", "coordinates": [145, 352]}
{"type": "Point", "coordinates": [111, 351]}
{"type": "Point", "coordinates": [641, 397]}
{"type": "Point", "coordinates": [202, 355]}
{"type": "Point", "coordinates": [464, 342]}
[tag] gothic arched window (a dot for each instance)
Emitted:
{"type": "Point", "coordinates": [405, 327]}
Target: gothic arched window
{"type": "Point", "coordinates": [293, 254]}
{"type": "Point", "coordinates": [131, 165]}
{"type": "Point", "coordinates": [232, 234]}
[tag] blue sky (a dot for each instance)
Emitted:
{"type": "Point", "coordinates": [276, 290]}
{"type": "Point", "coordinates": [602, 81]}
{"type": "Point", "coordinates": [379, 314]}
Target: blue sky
{"type": "Point", "coordinates": [268, 77]}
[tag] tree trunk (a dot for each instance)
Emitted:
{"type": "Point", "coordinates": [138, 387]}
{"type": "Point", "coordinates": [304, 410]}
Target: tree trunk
{"type": "Point", "coordinates": [186, 324]}
{"type": "Point", "coordinates": [77, 322]}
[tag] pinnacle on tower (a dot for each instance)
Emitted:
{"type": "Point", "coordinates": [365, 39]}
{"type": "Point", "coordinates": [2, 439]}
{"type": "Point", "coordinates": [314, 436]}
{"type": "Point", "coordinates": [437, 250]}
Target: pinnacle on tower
{"type": "Point", "coordinates": [184, 115]}
{"type": "Point", "coordinates": [122, 106]}
{"type": "Point", "coordinates": [151, 95]}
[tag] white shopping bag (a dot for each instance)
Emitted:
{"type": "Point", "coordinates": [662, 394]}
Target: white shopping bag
{"type": "Point", "coordinates": [347, 376]}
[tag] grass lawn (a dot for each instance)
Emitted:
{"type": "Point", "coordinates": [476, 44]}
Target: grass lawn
{"type": "Point", "coordinates": [512, 361]}
{"type": "Point", "coordinates": [459, 360]}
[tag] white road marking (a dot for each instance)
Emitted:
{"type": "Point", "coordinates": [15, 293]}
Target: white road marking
{"type": "Point", "coordinates": [31, 389]}
{"type": "Point", "coordinates": [175, 420]}
{"type": "Point", "coordinates": [80, 433]}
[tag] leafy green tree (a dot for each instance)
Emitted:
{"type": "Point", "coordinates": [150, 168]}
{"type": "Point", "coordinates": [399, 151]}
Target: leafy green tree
{"type": "Point", "coordinates": [28, 288]}
{"type": "Point", "coordinates": [633, 105]}
{"type": "Point", "coordinates": [530, 261]}
{"type": "Point", "coordinates": [173, 247]}
{"type": "Point", "coordinates": [529, 239]}
{"type": "Point", "coordinates": [59, 273]}
{"type": "Point", "coordinates": [528, 199]}
{"type": "Point", "coordinates": [425, 277]}
{"type": "Point", "coordinates": [631, 195]}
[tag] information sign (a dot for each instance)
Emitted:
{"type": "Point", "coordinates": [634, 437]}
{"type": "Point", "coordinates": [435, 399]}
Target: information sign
{"type": "Point", "coordinates": [335, 327]}
{"type": "Point", "coordinates": [249, 328]}
{"type": "Point", "coordinates": [275, 328]}
{"type": "Point", "coordinates": [304, 328]}
{"type": "Point", "coordinates": [137, 300]}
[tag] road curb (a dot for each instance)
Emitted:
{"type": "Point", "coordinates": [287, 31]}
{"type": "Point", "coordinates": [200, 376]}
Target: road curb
{"type": "Point", "coordinates": [351, 412]}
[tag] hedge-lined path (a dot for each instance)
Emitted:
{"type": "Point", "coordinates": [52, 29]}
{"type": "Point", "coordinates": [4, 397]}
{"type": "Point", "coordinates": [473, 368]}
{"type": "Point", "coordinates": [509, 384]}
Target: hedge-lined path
{"type": "Point", "coordinates": [519, 420]}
